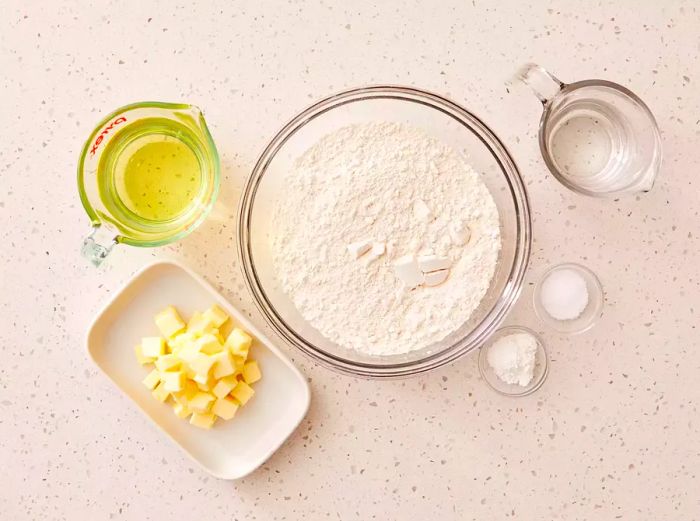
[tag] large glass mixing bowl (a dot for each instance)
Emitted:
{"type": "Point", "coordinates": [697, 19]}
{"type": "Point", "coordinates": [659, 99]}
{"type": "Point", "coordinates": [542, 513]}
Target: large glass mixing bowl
{"type": "Point", "coordinates": [443, 120]}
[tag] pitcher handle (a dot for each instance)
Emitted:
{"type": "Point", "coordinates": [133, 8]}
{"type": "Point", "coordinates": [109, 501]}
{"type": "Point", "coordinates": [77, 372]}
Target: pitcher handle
{"type": "Point", "coordinates": [544, 84]}
{"type": "Point", "coordinates": [93, 250]}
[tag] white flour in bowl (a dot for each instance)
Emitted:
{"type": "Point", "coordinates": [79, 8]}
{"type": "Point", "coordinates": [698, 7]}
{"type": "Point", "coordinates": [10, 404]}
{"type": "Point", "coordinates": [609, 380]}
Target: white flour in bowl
{"type": "Point", "coordinates": [396, 187]}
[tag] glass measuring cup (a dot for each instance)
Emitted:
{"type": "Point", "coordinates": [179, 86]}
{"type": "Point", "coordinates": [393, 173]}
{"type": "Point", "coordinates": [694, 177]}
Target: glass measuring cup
{"type": "Point", "coordinates": [125, 209]}
{"type": "Point", "coordinates": [596, 137]}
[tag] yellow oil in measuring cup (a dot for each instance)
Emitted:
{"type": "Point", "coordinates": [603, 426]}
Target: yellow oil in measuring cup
{"type": "Point", "coordinates": [150, 174]}
{"type": "Point", "coordinates": [147, 176]}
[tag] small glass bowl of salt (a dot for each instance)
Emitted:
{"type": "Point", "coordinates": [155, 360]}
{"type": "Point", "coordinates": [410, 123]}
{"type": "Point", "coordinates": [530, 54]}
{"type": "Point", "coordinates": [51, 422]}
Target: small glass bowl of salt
{"type": "Point", "coordinates": [514, 361]}
{"type": "Point", "coordinates": [568, 298]}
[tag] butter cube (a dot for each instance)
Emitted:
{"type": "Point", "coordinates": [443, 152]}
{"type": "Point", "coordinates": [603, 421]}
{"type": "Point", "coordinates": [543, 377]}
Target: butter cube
{"type": "Point", "coordinates": [224, 386]}
{"type": "Point", "coordinates": [251, 372]}
{"type": "Point", "coordinates": [201, 402]}
{"type": "Point", "coordinates": [167, 363]}
{"type": "Point", "coordinates": [160, 393]}
{"type": "Point", "coordinates": [173, 381]}
{"type": "Point", "coordinates": [202, 420]}
{"type": "Point", "coordinates": [242, 392]}
{"type": "Point", "coordinates": [169, 322]}
{"type": "Point", "coordinates": [204, 383]}
{"type": "Point", "coordinates": [153, 346]}
{"type": "Point", "coordinates": [152, 379]}
{"type": "Point", "coordinates": [209, 344]}
{"type": "Point", "coordinates": [200, 324]}
{"type": "Point", "coordinates": [188, 391]}
{"type": "Point", "coordinates": [239, 342]}
{"type": "Point", "coordinates": [218, 336]}
{"type": "Point", "coordinates": [178, 342]}
{"type": "Point", "coordinates": [188, 352]}
{"type": "Point", "coordinates": [225, 408]}
{"type": "Point", "coordinates": [201, 364]}
{"type": "Point", "coordinates": [224, 364]}
{"type": "Point", "coordinates": [181, 410]}
{"type": "Point", "coordinates": [216, 315]}
{"type": "Point", "coordinates": [143, 360]}
{"type": "Point", "coordinates": [238, 362]}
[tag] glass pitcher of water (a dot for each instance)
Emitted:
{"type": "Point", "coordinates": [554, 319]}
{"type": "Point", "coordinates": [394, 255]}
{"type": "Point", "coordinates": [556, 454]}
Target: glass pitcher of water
{"type": "Point", "coordinates": [596, 137]}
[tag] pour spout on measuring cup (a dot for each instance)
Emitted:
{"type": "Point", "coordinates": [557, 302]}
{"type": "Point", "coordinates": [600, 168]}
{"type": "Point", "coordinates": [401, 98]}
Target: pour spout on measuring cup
{"type": "Point", "coordinates": [544, 84]}
{"type": "Point", "coordinates": [93, 249]}
{"type": "Point", "coordinates": [192, 115]}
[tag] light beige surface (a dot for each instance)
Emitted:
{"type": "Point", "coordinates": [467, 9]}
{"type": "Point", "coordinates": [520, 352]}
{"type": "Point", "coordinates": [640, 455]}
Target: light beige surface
{"type": "Point", "coordinates": [614, 432]}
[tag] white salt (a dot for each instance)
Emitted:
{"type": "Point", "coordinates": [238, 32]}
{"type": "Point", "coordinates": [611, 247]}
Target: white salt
{"type": "Point", "coordinates": [564, 294]}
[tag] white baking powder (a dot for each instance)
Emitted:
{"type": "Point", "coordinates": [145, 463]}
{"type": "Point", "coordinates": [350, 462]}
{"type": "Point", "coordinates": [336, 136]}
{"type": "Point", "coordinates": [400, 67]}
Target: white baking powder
{"type": "Point", "coordinates": [395, 186]}
{"type": "Point", "coordinates": [512, 358]}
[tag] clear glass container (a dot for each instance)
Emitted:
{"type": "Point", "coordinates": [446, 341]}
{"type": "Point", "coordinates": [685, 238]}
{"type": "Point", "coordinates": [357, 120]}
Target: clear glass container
{"type": "Point", "coordinates": [113, 221]}
{"type": "Point", "coordinates": [596, 137]}
{"type": "Point", "coordinates": [539, 374]}
{"type": "Point", "coordinates": [590, 314]}
{"type": "Point", "coordinates": [441, 119]}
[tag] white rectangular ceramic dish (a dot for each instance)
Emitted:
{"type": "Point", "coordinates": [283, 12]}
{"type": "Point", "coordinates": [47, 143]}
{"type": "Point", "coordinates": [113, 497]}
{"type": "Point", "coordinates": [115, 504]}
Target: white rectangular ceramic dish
{"type": "Point", "coordinates": [231, 449]}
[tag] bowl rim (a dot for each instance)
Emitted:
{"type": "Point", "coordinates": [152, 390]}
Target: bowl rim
{"type": "Point", "coordinates": [493, 317]}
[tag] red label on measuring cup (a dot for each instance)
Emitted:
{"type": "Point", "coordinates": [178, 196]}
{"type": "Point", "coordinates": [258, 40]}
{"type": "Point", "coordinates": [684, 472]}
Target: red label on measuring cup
{"type": "Point", "coordinates": [100, 138]}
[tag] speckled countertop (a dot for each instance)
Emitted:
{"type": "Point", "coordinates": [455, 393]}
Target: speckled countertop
{"type": "Point", "coordinates": [614, 432]}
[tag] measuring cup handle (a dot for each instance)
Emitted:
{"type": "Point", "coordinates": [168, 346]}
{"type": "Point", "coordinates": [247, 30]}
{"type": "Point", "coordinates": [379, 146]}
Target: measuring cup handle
{"type": "Point", "coordinates": [544, 84]}
{"type": "Point", "coordinates": [94, 251]}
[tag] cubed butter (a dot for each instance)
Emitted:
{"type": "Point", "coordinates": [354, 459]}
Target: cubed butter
{"type": "Point", "coordinates": [169, 322]}
{"type": "Point", "coordinates": [242, 392]}
{"type": "Point", "coordinates": [188, 352]}
{"type": "Point", "coordinates": [251, 372]}
{"type": "Point", "coordinates": [167, 363]}
{"type": "Point", "coordinates": [201, 402]}
{"type": "Point", "coordinates": [173, 381]}
{"type": "Point", "coordinates": [160, 393]}
{"type": "Point", "coordinates": [223, 365]}
{"type": "Point", "coordinates": [178, 342]}
{"type": "Point", "coordinates": [216, 315]}
{"type": "Point", "coordinates": [238, 362]}
{"type": "Point", "coordinates": [153, 346]}
{"type": "Point", "coordinates": [207, 375]}
{"type": "Point", "coordinates": [225, 408]}
{"type": "Point", "coordinates": [188, 391]}
{"type": "Point", "coordinates": [143, 360]}
{"type": "Point", "coordinates": [224, 386]}
{"type": "Point", "coordinates": [200, 324]}
{"type": "Point", "coordinates": [204, 383]}
{"type": "Point", "coordinates": [201, 364]}
{"type": "Point", "coordinates": [239, 342]}
{"type": "Point", "coordinates": [181, 410]}
{"type": "Point", "coordinates": [203, 420]}
{"type": "Point", "coordinates": [152, 379]}
{"type": "Point", "coordinates": [209, 344]}
{"type": "Point", "coordinates": [189, 373]}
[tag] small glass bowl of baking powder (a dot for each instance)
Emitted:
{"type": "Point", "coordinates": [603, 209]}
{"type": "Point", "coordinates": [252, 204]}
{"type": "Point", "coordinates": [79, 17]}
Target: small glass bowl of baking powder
{"type": "Point", "coordinates": [568, 298]}
{"type": "Point", "coordinates": [539, 374]}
